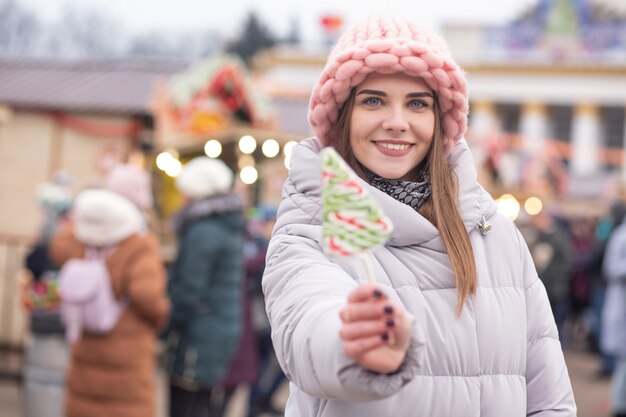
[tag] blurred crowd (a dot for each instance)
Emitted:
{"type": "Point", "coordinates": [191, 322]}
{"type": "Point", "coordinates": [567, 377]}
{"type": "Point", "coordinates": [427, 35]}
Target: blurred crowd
{"type": "Point", "coordinates": [582, 263]}
{"type": "Point", "coordinates": [199, 319]}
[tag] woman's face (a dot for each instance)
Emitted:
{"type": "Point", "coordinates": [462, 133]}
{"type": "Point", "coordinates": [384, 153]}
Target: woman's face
{"type": "Point", "coordinates": [392, 124]}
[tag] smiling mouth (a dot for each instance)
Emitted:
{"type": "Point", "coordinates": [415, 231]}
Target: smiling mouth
{"type": "Point", "coordinates": [393, 146]}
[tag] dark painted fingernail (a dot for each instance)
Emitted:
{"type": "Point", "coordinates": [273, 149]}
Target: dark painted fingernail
{"type": "Point", "coordinates": [384, 336]}
{"type": "Point", "coordinates": [378, 294]}
{"type": "Point", "coordinates": [388, 309]}
{"type": "Point", "coordinates": [390, 323]}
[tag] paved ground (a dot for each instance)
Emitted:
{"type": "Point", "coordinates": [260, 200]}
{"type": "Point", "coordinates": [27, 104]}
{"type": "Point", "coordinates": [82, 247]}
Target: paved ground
{"type": "Point", "coordinates": [592, 394]}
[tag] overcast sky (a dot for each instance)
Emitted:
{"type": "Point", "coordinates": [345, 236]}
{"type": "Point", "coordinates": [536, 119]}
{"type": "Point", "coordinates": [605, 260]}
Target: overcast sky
{"type": "Point", "coordinates": [226, 16]}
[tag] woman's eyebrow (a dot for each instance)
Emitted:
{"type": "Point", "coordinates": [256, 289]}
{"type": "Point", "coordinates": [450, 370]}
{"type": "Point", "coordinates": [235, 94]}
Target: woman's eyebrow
{"type": "Point", "coordinates": [373, 92]}
{"type": "Point", "coordinates": [383, 94]}
{"type": "Point", "coordinates": [421, 94]}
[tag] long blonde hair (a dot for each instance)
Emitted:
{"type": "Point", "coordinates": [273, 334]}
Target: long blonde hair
{"type": "Point", "coordinates": [441, 209]}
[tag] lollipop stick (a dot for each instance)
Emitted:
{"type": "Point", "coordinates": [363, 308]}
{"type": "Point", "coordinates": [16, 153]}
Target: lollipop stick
{"type": "Point", "coordinates": [391, 341]}
{"type": "Point", "coordinates": [368, 267]}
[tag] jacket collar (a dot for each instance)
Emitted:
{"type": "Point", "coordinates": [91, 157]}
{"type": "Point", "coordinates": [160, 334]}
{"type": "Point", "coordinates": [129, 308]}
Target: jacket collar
{"type": "Point", "coordinates": [410, 227]}
{"type": "Point", "coordinates": [206, 207]}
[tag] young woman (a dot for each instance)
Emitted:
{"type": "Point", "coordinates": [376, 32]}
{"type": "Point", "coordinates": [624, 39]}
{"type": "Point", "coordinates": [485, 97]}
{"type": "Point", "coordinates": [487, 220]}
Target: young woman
{"type": "Point", "coordinates": [457, 324]}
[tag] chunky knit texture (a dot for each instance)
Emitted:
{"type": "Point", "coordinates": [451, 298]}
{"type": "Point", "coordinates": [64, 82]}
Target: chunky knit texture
{"type": "Point", "coordinates": [386, 45]}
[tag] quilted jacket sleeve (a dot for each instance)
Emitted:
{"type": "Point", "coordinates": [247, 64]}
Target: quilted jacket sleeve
{"type": "Point", "coordinates": [304, 292]}
{"type": "Point", "coordinates": [548, 387]}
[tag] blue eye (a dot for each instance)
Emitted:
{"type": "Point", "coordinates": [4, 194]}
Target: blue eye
{"type": "Point", "coordinates": [416, 104]}
{"type": "Point", "coordinates": [372, 101]}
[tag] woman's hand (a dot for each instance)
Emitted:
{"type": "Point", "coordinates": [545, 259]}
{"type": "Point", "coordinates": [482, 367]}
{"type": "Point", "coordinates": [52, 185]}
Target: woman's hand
{"type": "Point", "coordinates": [375, 331]}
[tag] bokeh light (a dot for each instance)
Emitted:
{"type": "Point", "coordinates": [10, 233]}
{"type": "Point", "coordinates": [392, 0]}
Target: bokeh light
{"type": "Point", "coordinates": [289, 147]}
{"type": "Point", "coordinates": [533, 205]}
{"type": "Point", "coordinates": [174, 168]}
{"type": "Point", "coordinates": [270, 148]}
{"type": "Point", "coordinates": [287, 152]}
{"type": "Point", "coordinates": [163, 159]}
{"type": "Point", "coordinates": [213, 148]}
{"type": "Point", "coordinates": [247, 144]}
{"type": "Point", "coordinates": [248, 175]}
{"type": "Point", "coordinates": [508, 206]}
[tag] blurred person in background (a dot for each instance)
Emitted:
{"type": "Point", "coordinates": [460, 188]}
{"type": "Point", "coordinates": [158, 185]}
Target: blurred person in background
{"type": "Point", "coordinates": [133, 183]}
{"type": "Point", "coordinates": [204, 285]}
{"type": "Point", "coordinates": [551, 253]}
{"type": "Point", "coordinates": [244, 366]}
{"type": "Point", "coordinates": [271, 376]}
{"type": "Point", "coordinates": [113, 374]}
{"type": "Point", "coordinates": [614, 315]}
{"type": "Point", "coordinates": [243, 369]}
{"type": "Point", "coordinates": [583, 246]}
{"type": "Point", "coordinates": [604, 229]}
{"type": "Point", "coordinates": [47, 352]}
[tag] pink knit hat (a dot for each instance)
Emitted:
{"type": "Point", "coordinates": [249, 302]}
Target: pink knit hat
{"type": "Point", "coordinates": [131, 182]}
{"type": "Point", "coordinates": [386, 45]}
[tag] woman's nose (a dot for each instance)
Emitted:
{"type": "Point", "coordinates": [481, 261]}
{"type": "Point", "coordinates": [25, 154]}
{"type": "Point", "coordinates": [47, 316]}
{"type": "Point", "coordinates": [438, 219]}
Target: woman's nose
{"type": "Point", "coordinates": [395, 120]}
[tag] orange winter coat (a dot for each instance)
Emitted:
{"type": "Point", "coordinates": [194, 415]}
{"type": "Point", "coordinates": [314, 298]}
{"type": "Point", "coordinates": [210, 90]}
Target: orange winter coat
{"type": "Point", "coordinates": [113, 375]}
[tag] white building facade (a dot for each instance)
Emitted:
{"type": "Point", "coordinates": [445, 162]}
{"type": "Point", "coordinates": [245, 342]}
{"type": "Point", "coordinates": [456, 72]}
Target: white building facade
{"type": "Point", "coordinates": [548, 97]}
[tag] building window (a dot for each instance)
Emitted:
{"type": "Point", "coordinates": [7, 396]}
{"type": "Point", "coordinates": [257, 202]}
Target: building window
{"type": "Point", "coordinates": [509, 116]}
{"type": "Point", "coordinates": [612, 125]}
{"type": "Point", "coordinates": [561, 121]}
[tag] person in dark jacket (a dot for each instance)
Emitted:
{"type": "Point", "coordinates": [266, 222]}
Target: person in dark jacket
{"type": "Point", "coordinates": [204, 285]}
{"type": "Point", "coordinates": [47, 353]}
{"type": "Point", "coordinates": [552, 255]}
{"type": "Point", "coordinates": [244, 366]}
{"type": "Point", "coordinates": [55, 200]}
{"type": "Point", "coordinates": [270, 377]}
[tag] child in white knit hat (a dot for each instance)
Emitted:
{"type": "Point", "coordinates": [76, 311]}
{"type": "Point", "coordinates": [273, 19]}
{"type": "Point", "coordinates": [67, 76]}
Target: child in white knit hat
{"type": "Point", "coordinates": [457, 322]}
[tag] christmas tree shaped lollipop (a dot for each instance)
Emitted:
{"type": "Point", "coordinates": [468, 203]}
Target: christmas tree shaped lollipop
{"type": "Point", "coordinates": [353, 222]}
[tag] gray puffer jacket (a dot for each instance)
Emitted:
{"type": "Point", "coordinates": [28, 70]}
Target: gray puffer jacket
{"type": "Point", "coordinates": [500, 357]}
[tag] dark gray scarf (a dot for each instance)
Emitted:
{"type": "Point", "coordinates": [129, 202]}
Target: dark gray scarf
{"type": "Point", "coordinates": [411, 193]}
{"type": "Point", "coordinates": [205, 207]}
